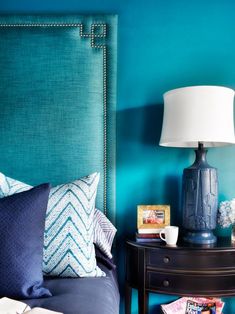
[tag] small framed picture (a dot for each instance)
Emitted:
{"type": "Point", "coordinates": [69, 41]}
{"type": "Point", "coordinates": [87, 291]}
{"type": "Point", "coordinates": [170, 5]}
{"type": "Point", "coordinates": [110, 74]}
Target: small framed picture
{"type": "Point", "coordinates": [153, 216]}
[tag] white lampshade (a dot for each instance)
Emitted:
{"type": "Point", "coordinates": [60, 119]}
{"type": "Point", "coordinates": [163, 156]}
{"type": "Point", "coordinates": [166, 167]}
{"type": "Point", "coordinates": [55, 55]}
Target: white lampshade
{"type": "Point", "coordinates": [198, 114]}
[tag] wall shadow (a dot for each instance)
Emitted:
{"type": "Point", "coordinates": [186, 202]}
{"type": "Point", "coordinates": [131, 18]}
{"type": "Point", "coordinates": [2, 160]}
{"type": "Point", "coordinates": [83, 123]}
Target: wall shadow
{"type": "Point", "coordinates": [140, 124]}
{"type": "Point", "coordinates": [172, 191]}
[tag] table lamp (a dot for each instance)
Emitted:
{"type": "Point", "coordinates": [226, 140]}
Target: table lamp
{"type": "Point", "coordinates": [200, 117]}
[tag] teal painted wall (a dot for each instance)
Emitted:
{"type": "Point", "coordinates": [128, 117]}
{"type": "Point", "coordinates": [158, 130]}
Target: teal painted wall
{"type": "Point", "coordinates": [163, 44]}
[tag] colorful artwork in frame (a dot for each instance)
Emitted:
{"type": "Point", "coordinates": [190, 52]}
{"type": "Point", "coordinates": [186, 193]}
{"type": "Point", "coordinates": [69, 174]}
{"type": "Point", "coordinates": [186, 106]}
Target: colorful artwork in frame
{"type": "Point", "coordinates": [153, 216]}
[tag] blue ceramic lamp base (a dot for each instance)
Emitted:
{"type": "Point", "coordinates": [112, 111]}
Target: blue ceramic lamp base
{"type": "Point", "coordinates": [200, 200]}
{"type": "Point", "coordinates": [200, 237]}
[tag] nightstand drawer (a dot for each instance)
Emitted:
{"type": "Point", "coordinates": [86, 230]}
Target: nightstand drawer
{"type": "Point", "coordinates": [191, 284]}
{"type": "Point", "coordinates": [188, 260]}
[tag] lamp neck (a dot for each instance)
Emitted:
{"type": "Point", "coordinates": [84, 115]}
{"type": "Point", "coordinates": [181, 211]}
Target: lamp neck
{"type": "Point", "coordinates": [200, 146]}
{"type": "Point", "coordinates": [200, 156]}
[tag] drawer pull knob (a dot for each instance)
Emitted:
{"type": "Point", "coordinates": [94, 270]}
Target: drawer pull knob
{"type": "Point", "coordinates": [166, 260]}
{"type": "Point", "coordinates": [166, 283]}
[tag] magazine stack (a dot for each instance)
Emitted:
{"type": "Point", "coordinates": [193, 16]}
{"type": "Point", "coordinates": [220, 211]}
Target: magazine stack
{"type": "Point", "coordinates": [190, 305]}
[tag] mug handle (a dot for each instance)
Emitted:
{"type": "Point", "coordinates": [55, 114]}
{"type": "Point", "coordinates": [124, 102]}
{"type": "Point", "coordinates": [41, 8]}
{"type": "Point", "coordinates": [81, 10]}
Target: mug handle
{"type": "Point", "coordinates": [161, 232]}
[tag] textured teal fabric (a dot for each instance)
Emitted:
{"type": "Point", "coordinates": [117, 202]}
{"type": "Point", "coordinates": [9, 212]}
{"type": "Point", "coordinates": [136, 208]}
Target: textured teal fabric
{"type": "Point", "coordinates": [57, 74]}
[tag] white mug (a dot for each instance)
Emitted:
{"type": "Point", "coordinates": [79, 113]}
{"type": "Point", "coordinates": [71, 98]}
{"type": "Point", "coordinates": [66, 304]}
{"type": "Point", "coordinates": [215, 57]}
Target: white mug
{"type": "Point", "coordinates": [171, 234]}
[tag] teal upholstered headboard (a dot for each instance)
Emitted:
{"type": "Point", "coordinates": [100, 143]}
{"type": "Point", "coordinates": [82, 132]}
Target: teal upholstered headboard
{"type": "Point", "coordinates": [57, 100]}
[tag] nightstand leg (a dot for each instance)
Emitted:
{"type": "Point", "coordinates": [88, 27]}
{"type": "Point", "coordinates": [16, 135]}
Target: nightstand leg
{"type": "Point", "coordinates": [142, 293]}
{"type": "Point", "coordinates": [128, 297]}
{"type": "Point", "coordinates": [143, 301]}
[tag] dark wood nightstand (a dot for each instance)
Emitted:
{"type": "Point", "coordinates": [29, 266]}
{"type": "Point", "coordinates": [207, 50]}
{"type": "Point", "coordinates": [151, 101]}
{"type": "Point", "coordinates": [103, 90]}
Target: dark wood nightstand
{"type": "Point", "coordinates": [183, 270]}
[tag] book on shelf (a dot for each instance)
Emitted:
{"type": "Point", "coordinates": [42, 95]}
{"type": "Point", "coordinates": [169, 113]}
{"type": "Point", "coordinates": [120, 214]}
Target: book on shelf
{"type": "Point", "coordinates": [149, 230]}
{"type": "Point", "coordinates": [10, 306]}
{"type": "Point", "coordinates": [148, 235]}
{"type": "Point", "coordinates": [193, 305]}
{"type": "Point", "coordinates": [143, 240]}
{"type": "Point", "coordinates": [151, 237]}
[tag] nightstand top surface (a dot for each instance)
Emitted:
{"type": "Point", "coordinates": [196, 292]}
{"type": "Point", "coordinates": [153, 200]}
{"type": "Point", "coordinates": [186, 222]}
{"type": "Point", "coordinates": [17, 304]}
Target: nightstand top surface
{"type": "Point", "coordinates": [223, 244]}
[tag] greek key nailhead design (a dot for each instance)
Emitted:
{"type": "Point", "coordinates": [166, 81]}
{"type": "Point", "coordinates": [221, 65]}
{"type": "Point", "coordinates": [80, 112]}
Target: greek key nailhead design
{"type": "Point", "coordinates": [92, 35]}
{"type": "Point", "coordinates": [97, 31]}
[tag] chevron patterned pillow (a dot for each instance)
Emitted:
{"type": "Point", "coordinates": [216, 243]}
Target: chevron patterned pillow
{"type": "Point", "coordinates": [104, 230]}
{"type": "Point", "coordinates": [69, 227]}
{"type": "Point", "coordinates": [9, 186]}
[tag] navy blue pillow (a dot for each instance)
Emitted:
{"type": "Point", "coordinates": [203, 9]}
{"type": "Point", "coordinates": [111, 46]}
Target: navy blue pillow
{"type": "Point", "coordinates": [22, 222]}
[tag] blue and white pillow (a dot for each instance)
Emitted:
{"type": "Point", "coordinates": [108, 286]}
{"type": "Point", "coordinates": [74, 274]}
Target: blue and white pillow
{"type": "Point", "coordinates": [104, 232]}
{"type": "Point", "coordinates": [69, 229]}
{"type": "Point", "coordinates": [69, 226]}
{"type": "Point", "coordinates": [9, 186]}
